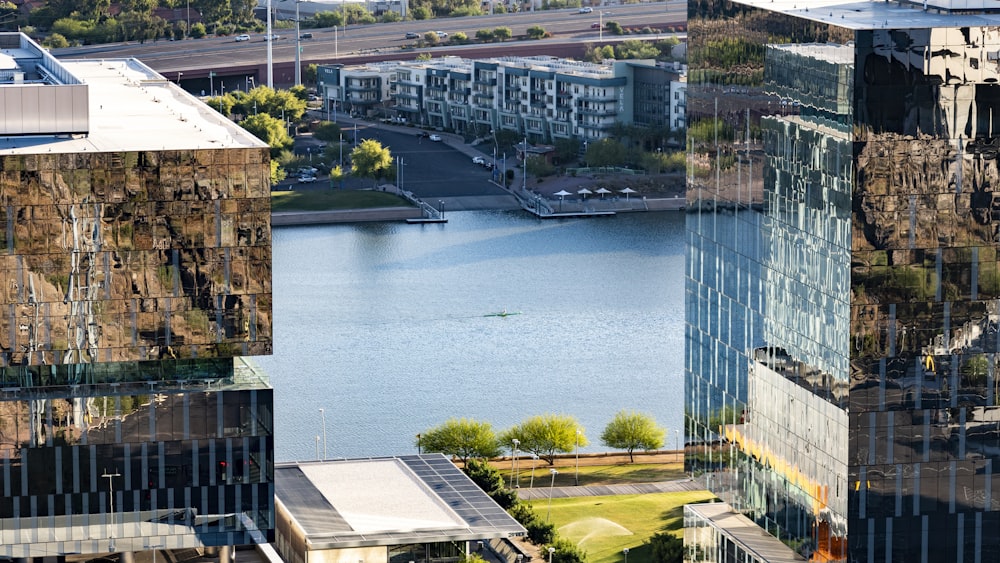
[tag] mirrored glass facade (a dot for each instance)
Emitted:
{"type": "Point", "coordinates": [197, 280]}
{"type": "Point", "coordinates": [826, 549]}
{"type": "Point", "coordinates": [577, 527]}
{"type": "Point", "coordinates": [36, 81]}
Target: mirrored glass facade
{"type": "Point", "coordinates": [131, 284]}
{"type": "Point", "coordinates": [843, 292]}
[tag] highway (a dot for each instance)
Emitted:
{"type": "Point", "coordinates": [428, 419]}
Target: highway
{"type": "Point", "coordinates": [192, 59]}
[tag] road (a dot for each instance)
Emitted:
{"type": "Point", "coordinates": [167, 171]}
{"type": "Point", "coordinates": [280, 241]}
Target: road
{"type": "Point", "coordinates": [190, 59]}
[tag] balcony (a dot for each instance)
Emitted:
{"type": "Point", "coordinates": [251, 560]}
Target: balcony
{"type": "Point", "coordinates": [598, 97]}
{"type": "Point", "coordinates": [595, 111]}
{"type": "Point", "coordinates": [486, 82]}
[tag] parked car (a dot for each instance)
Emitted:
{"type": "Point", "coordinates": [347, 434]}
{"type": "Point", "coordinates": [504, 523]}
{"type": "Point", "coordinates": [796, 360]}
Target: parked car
{"type": "Point", "coordinates": [243, 37]}
{"type": "Point", "coordinates": [586, 10]}
{"type": "Point", "coordinates": [307, 179]}
{"type": "Point", "coordinates": [478, 160]}
{"type": "Point", "coordinates": [412, 35]}
{"type": "Point", "coordinates": [435, 137]}
{"type": "Point", "coordinates": [307, 171]}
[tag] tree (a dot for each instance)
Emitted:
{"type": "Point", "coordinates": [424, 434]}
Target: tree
{"type": "Point", "coordinates": [421, 13]}
{"type": "Point", "coordinates": [327, 131]}
{"type": "Point", "coordinates": [390, 17]}
{"type": "Point", "coordinates": [545, 435]}
{"type": "Point", "coordinates": [55, 41]}
{"type": "Point", "coordinates": [268, 129]}
{"type": "Point", "coordinates": [462, 438]}
{"type": "Point", "coordinates": [431, 37]}
{"type": "Point", "coordinates": [328, 19]}
{"type": "Point", "coordinates": [606, 152]}
{"type": "Point", "coordinates": [502, 33]}
{"type": "Point", "coordinates": [537, 32]}
{"type": "Point", "coordinates": [484, 35]}
{"type": "Point", "coordinates": [666, 548]}
{"type": "Point", "coordinates": [459, 37]}
{"type": "Point", "coordinates": [630, 431]}
{"type": "Point", "coordinates": [487, 478]}
{"type": "Point", "coordinates": [566, 552]}
{"type": "Point", "coordinates": [370, 160]}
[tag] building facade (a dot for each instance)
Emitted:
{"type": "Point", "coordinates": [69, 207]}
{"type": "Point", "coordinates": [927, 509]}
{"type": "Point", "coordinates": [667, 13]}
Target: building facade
{"type": "Point", "coordinates": [842, 278]}
{"type": "Point", "coordinates": [135, 266]}
{"type": "Point", "coordinates": [542, 98]}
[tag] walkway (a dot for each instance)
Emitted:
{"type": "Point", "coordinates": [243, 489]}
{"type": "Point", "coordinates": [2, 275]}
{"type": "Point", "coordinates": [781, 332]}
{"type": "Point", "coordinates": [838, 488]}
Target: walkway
{"type": "Point", "coordinates": [679, 485]}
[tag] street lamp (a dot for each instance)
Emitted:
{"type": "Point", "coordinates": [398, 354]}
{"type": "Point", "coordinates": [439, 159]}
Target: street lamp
{"type": "Point", "coordinates": [111, 521]}
{"type": "Point", "coordinates": [625, 551]}
{"type": "Point", "coordinates": [551, 486]}
{"type": "Point", "coordinates": [551, 551]}
{"type": "Point", "coordinates": [270, 43]}
{"type": "Point", "coordinates": [513, 461]}
{"type": "Point", "coordinates": [677, 442]}
{"type": "Point", "coordinates": [441, 211]}
{"type": "Point", "coordinates": [298, 47]}
{"type": "Point", "coordinates": [322, 413]}
{"type": "Point", "coordinates": [601, 24]}
{"type": "Point", "coordinates": [418, 444]}
{"type": "Point", "coordinates": [179, 75]}
{"type": "Point", "coordinates": [576, 479]}
{"type": "Point", "coordinates": [317, 447]}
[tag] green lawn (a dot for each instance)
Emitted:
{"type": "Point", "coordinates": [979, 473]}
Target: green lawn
{"type": "Point", "coordinates": [596, 474]}
{"type": "Point", "coordinates": [603, 526]}
{"type": "Point", "coordinates": [333, 200]}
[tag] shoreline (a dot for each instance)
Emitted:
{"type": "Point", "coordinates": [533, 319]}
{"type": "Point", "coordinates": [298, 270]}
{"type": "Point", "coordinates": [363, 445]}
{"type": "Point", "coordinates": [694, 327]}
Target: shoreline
{"type": "Point", "coordinates": [402, 214]}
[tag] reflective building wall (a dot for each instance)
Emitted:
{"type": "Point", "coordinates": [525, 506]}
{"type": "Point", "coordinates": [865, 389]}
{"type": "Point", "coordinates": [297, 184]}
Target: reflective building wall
{"type": "Point", "coordinates": [842, 295]}
{"type": "Point", "coordinates": [131, 285]}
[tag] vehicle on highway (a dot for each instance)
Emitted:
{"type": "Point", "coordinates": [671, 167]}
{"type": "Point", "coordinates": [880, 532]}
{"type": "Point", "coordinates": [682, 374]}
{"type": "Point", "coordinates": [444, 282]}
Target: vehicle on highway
{"type": "Point", "coordinates": [586, 10]}
{"type": "Point", "coordinates": [273, 36]}
{"type": "Point", "coordinates": [435, 138]}
{"type": "Point", "coordinates": [441, 34]}
{"type": "Point", "coordinates": [306, 36]}
{"type": "Point", "coordinates": [595, 25]}
{"type": "Point", "coordinates": [478, 160]}
{"type": "Point", "coordinates": [423, 134]}
{"type": "Point", "coordinates": [412, 35]}
{"type": "Point", "coordinates": [307, 179]}
{"type": "Point", "coordinates": [243, 37]}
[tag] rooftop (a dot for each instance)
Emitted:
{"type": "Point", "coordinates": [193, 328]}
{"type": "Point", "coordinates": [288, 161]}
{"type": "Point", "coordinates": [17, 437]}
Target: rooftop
{"type": "Point", "coordinates": [100, 106]}
{"type": "Point", "coordinates": [388, 501]}
{"type": "Point", "coordinates": [888, 15]}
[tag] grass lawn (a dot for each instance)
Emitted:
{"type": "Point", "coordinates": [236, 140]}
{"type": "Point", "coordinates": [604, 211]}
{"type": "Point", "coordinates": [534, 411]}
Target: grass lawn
{"type": "Point", "coordinates": [603, 526]}
{"type": "Point", "coordinates": [597, 474]}
{"type": "Point", "coordinates": [333, 200]}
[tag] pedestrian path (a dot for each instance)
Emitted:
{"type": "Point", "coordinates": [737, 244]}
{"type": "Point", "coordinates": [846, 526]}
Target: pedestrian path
{"type": "Point", "coordinates": [675, 486]}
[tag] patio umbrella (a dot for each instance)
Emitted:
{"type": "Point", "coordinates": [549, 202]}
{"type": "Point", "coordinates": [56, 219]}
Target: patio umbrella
{"type": "Point", "coordinates": [627, 191]}
{"type": "Point", "coordinates": [584, 192]}
{"type": "Point", "coordinates": [561, 194]}
{"type": "Point", "coordinates": [603, 191]}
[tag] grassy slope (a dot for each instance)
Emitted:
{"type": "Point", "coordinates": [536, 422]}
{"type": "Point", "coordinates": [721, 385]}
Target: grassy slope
{"type": "Point", "coordinates": [603, 526]}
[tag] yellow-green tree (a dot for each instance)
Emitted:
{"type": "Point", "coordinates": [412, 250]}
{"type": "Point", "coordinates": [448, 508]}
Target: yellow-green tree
{"type": "Point", "coordinates": [370, 160]}
{"type": "Point", "coordinates": [632, 431]}
{"type": "Point", "coordinates": [546, 435]}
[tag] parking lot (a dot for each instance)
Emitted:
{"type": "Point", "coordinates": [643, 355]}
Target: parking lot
{"type": "Point", "coordinates": [429, 169]}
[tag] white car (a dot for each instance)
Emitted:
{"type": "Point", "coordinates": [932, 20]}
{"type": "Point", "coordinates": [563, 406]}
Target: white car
{"type": "Point", "coordinates": [585, 10]}
{"type": "Point", "coordinates": [273, 36]}
{"type": "Point", "coordinates": [435, 138]}
{"type": "Point", "coordinates": [307, 179]}
{"type": "Point", "coordinates": [243, 37]}
{"type": "Point", "coordinates": [478, 160]}
{"type": "Point", "coordinates": [441, 34]}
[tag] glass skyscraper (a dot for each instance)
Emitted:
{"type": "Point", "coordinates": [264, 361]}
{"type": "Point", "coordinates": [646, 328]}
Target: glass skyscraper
{"type": "Point", "coordinates": [135, 274]}
{"type": "Point", "coordinates": [843, 279]}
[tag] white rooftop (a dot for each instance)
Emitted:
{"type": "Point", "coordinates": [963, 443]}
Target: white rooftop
{"type": "Point", "coordinates": [132, 108]}
{"type": "Point", "coordinates": [887, 15]}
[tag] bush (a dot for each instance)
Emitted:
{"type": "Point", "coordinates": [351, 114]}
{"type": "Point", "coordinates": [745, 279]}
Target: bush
{"type": "Point", "coordinates": [667, 548]}
{"type": "Point", "coordinates": [55, 41]}
{"type": "Point", "coordinates": [540, 532]}
{"type": "Point", "coordinates": [567, 552]}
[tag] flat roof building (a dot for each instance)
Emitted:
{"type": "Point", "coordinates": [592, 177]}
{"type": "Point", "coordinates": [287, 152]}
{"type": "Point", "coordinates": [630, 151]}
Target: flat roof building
{"type": "Point", "coordinates": [419, 508]}
{"type": "Point", "coordinates": [136, 272]}
{"type": "Point", "coordinates": [842, 279]}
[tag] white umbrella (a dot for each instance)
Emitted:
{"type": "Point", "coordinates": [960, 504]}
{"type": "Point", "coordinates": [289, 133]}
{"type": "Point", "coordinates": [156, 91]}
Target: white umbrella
{"type": "Point", "coordinates": [603, 191]}
{"type": "Point", "coordinates": [584, 192]}
{"type": "Point", "coordinates": [627, 191]}
{"type": "Point", "coordinates": [561, 194]}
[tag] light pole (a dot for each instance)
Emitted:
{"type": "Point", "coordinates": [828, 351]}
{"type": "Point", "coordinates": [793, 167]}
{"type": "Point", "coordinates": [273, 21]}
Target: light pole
{"type": "Point", "coordinates": [154, 548]}
{"type": "Point", "coordinates": [179, 75]}
{"type": "Point", "coordinates": [601, 24]}
{"type": "Point", "coordinates": [418, 444]}
{"type": "Point", "coordinates": [111, 521]}
{"type": "Point", "coordinates": [188, 33]}
{"type": "Point", "coordinates": [677, 442]}
{"type": "Point", "coordinates": [517, 480]}
{"type": "Point", "coordinates": [551, 486]}
{"type": "Point", "coordinates": [441, 211]}
{"type": "Point", "coordinates": [298, 46]}
{"type": "Point", "coordinates": [551, 551]}
{"type": "Point", "coordinates": [625, 551]}
{"type": "Point", "coordinates": [576, 478]}
{"type": "Point", "coordinates": [270, 41]}
{"type": "Point", "coordinates": [322, 413]}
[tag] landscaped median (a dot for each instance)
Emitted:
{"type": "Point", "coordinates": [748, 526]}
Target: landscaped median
{"type": "Point", "coordinates": [308, 207]}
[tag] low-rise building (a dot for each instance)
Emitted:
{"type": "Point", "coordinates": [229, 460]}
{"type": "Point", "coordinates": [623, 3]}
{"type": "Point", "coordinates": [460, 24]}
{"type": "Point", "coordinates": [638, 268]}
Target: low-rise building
{"type": "Point", "coordinates": [542, 98]}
